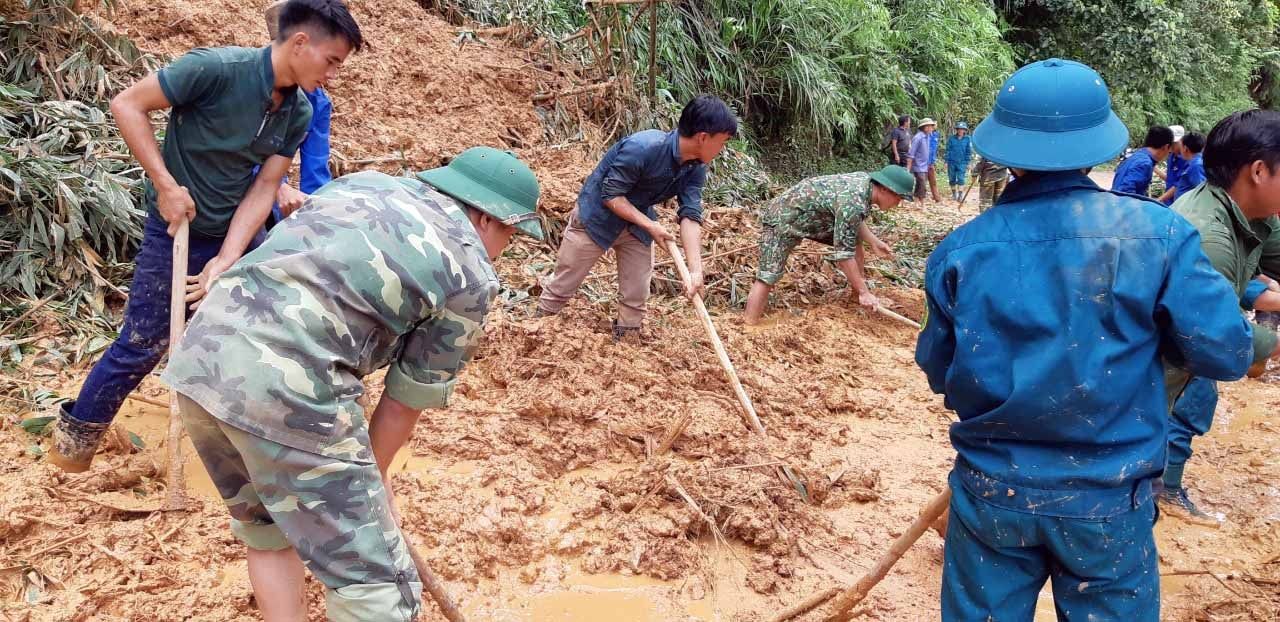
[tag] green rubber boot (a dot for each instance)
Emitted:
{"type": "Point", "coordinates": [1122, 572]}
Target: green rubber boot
{"type": "Point", "coordinates": [1175, 502]}
{"type": "Point", "coordinates": [75, 441]}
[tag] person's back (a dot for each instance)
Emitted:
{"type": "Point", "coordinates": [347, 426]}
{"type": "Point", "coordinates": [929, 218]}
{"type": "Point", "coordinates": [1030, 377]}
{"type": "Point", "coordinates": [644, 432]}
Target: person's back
{"type": "Point", "coordinates": [1134, 173]}
{"type": "Point", "coordinates": [1064, 289]}
{"type": "Point", "coordinates": [1047, 319]}
{"type": "Point", "coordinates": [330, 297]}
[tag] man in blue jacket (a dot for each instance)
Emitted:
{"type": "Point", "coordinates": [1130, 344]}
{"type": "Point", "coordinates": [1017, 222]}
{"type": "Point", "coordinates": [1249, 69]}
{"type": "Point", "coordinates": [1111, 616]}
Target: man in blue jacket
{"type": "Point", "coordinates": [1134, 174]}
{"type": "Point", "coordinates": [959, 153]}
{"type": "Point", "coordinates": [1047, 316]}
{"type": "Point", "coordinates": [616, 209]}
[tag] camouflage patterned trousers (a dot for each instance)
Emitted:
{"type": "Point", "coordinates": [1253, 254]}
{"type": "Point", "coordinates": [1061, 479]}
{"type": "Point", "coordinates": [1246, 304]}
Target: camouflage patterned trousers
{"type": "Point", "coordinates": [989, 192]}
{"type": "Point", "coordinates": [774, 250]}
{"type": "Point", "coordinates": [334, 513]}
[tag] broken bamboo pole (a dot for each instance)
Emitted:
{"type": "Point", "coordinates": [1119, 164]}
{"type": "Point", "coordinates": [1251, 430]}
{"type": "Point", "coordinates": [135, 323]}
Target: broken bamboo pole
{"type": "Point", "coordinates": [175, 497]}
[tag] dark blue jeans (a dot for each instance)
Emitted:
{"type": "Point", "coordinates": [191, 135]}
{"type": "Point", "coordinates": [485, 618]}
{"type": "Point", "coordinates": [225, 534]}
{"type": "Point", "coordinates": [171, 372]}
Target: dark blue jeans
{"type": "Point", "coordinates": [144, 338]}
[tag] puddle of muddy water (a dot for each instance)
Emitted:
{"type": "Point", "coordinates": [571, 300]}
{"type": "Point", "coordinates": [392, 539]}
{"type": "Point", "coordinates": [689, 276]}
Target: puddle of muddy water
{"type": "Point", "coordinates": [151, 423]}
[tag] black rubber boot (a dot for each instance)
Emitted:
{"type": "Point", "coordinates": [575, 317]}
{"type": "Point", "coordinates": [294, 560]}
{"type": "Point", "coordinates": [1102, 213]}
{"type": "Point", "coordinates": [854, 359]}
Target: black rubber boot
{"type": "Point", "coordinates": [74, 441]}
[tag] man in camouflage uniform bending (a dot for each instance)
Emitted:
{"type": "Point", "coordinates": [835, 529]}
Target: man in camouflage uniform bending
{"type": "Point", "coordinates": [831, 210]}
{"type": "Point", "coordinates": [373, 271]}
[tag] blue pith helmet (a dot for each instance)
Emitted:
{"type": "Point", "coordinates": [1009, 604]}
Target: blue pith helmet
{"type": "Point", "coordinates": [1053, 115]}
{"type": "Point", "coordinates": [962, 126]}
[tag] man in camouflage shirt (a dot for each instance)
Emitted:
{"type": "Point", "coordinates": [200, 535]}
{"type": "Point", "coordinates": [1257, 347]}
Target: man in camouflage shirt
{"type": "Point", "coordinates": [373, 271]}
{"type": "Point", "coordinates": [831, 210]}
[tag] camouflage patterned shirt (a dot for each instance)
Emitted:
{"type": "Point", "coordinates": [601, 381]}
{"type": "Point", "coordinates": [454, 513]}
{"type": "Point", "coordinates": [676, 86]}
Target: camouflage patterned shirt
{"type": "Point", "coordinates": [826, 209]}
{"type": "Point", "coordinates": [372, 271]}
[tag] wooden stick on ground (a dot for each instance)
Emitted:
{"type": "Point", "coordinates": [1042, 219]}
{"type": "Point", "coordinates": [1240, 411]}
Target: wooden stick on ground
{"type": "Point", "coordinates": [905, 320]}
{"type": "Point", "coordinates": [175, 497]}
{"type": "Point", "coordinates": [138, 397]}
{"type": "Point", "coordinates": [431, 583]}
{"type": "Point", "coordinates": [965, 196]}
{"type": "Point", "coordinates": [850, 597]}
{"type": "Point", "coordinates": [674, 433]}
{"type": "Point", "coordinates": [744, 400]}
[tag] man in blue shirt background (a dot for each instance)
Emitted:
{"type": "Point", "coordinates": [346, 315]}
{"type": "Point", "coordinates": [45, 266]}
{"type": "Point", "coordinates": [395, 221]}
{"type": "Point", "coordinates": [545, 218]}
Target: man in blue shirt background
{"type": "Point", "coordinates": [1190, 170]}
{"type": "Point", "coordinates": [919, 159]}
{"type": "Point", "coordinates": [959, 153]}
{"type": "Point", "coordinates": [933, 169]}
{"type": "Point", "coordinates": [616, 209]}
{"type": "Point", "coordinates": [1046, 319]}
{"type": "Point", "coordinates": [1134, 174]}
{"type": "Point", "coordinates": [1174, 163]}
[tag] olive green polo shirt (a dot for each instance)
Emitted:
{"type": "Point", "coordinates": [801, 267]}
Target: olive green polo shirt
{"type": "Point", "coordinates": [1237, 248]}
{"type": "Point", "coordinates": [221, 127]}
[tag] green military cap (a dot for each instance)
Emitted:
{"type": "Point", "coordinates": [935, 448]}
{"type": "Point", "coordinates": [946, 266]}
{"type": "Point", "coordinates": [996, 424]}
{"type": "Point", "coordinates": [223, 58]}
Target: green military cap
{"type": "Point", "coordinates": [494, 182]}
{"type": "Point", "coordinates": [896, 179]}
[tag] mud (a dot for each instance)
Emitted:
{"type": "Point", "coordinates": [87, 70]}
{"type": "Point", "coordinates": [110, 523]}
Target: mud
{"type": "Point", "coordinates": [539, 494]}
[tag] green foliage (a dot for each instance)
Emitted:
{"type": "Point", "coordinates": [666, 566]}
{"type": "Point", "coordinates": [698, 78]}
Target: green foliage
{"type": "Point", "coordinates": [1166, 61]}
{"type": "Point", "coordinates": [68, 187]}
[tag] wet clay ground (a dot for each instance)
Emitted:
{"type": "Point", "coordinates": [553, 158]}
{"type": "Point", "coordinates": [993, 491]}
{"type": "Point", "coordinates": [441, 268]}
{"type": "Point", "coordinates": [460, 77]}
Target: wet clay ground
{"type": "Point", "coordinates": [540, 493]}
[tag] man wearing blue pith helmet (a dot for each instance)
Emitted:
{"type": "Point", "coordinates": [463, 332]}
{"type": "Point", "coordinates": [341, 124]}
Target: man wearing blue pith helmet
{"type": "Point", "coordinates": [1047, 316]}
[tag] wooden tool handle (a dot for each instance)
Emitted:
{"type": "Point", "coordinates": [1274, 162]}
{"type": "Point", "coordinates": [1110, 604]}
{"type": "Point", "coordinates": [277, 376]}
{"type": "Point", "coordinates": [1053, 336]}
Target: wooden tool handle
{"type": "Point", "coordinates": [905, 320]}
{"type": "Point", "coordinates": [849, 598]}
{"type": "Point", "coordinates": [175, 498]}
{"type": "Point", "coordinates": [431, 584]}
{"type": "Point", "coordinates": [744, 400]}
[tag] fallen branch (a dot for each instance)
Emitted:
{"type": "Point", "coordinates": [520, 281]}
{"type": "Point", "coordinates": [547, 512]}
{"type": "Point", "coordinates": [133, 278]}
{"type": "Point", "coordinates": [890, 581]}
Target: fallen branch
{"type": "Point", "coordinates": [591, 88]}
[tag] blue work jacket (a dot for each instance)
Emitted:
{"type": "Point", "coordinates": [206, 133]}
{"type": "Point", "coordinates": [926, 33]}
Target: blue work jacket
{"type": "Point", "coordinates": [1134, 174]}
{"type": "Point", "coordinates": [645, 168]}
{"type": "Point", "coordinates": [1046, 320]}
{"type": "Point", "coordinates": [958, 151]}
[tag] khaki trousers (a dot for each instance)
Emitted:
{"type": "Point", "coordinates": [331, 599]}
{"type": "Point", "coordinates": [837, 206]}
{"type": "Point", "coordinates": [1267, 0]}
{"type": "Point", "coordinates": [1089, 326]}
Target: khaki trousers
{"type": "Point", "coordinates": [578, 254]}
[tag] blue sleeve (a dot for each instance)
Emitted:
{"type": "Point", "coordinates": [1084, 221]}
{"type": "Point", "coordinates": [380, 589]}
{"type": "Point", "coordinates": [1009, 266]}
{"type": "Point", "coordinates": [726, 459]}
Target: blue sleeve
{"type": "Point", "coordinates": [1251, 293]}
{"type": "Point", "coordinates": [315, 148]}
{"type": "Point", "coordinates": [1203, 330]}
{"type": "Point", "coordinates": [936, 345]}
{"type": "Point", "coordinates": [691, 197]}
{"type": "Point", "coordinates": [1190, 177]}
{"type": "Point", "coordinates": [625, 169]}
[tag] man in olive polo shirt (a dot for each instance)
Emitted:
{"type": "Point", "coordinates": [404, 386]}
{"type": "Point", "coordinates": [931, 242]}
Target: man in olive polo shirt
{"type": "Point", "coordinates": [232, 109]}
{"type": "Point", "coordinates": [1235, 213]}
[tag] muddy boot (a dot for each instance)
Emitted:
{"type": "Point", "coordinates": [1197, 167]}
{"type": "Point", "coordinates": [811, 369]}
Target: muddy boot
{"type": "Point", "coordinates": [1175, 502]}
{"type": "Point", "coordinates": [74, 441]}
{"type": "Point", "coordinates": [631, 334]}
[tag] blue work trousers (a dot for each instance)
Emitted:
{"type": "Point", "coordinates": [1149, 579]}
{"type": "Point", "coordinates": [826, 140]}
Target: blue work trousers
{"type": "Point", "coordinates": [997, 559]}
{"type": "Point", "coordinates": [144, 338]}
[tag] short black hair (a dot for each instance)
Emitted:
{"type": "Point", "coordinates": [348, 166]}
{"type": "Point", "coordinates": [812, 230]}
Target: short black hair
{"type": "Point", "coordinates": [902, 120]}
{"type": "Point", "coordinates": [1240, 140]}
{"type": "Point", "coordinates": [328, 16]}
{"type": "Point", "coordinates": [1158, 137]}
{"type": "Point", "coordinates": [1193, 142]}
{"type": "Point", "coordinates": [708, 114]}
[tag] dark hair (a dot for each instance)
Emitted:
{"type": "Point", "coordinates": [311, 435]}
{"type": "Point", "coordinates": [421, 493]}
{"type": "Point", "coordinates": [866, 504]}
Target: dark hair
{"type": "Point", "coordinates": [1240, 140]}
{"type": "Point", "coordinates": [903, 119]}
{"type": "Point", "coordinates": [1158, 137]}
{"type": "Point", "coordinates": [707, 114]}
{"type": "Point", "coordinates": [1193, 142]}
{"type": "Point", "coordinates": [328, 16]}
